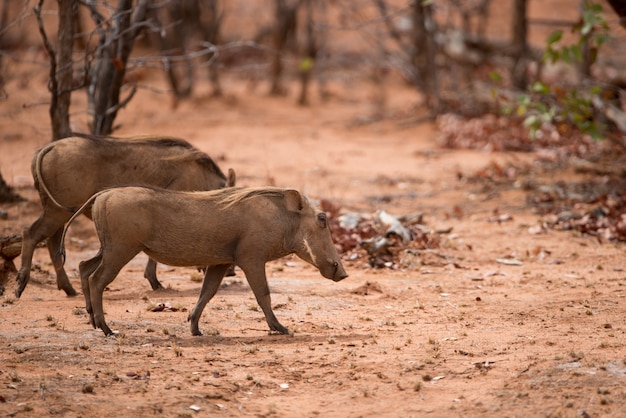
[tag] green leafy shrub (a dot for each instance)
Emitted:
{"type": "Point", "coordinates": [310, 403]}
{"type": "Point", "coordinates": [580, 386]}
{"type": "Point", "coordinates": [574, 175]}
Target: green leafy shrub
{"type": "Point", "coordinates": [566, 106]}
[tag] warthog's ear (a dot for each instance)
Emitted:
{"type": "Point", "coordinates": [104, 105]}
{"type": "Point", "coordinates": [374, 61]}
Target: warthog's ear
{"type": "Point", "coordinates": [294, 200]}
{"type": "Point", "coordinates": [230, 181]}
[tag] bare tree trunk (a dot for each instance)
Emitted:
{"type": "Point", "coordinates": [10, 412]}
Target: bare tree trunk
{"type": "Point", "coordinates": [483, 18]}
{"type": "Point", "coordinates": [61, 70]}
{"type": "Point", "coordinates": [184, 18]}
{"type": "Point", "coordinates": [4, 20]}
{"type": "Point", "coordinates": [211, 33]}
{"type": "Point", "coordinates": [10, 248]}
{"type": "Point", "coordinates": [424, 54]}
{"type": "Point", "coordinates": [520, 45]}
{"type": "Point", "coordinates": [619, 7]}
{"type": "Point", "coordinates": [113, 54]}
{"type": "Point", "coordinates": [60, 115]}
{"type": "Point", "coordinates": [80, 37]}
{"type": "Point", "coordinates": [6, 193]}
{"type": "Point", "coordinates": [310, 52]}
{"type": "Point", "coordinates": [321, 58]}
{"type": "Point", "coordinates": [585, 64]}
{"type": "Point", "coordinates": [285, 28]}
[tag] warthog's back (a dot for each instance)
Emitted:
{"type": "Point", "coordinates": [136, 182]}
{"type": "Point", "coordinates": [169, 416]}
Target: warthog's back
{"type": "Point", "coordinates": [191, 226]}
{"type": "Point", "coordinates": [75, 168]}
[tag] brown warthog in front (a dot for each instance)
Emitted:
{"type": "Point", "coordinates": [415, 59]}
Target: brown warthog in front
{"type": "Point", "coordinates": [69, 171]}
{"type": "Point", "coordinates": [242, 226]}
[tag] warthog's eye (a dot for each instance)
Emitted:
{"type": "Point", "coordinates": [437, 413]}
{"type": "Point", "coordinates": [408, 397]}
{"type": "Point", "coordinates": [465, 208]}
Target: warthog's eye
{"type": "Point", "coordinates": [321, 217]}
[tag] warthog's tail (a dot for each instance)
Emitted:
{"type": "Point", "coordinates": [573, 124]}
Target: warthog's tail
{"type": "Point", "coordinates": [42, 183]}
{"type": "Point", "coordinates": [87, 204]}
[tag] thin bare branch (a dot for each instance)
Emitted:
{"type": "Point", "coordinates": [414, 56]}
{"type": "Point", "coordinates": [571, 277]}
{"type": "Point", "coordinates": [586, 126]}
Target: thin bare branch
{"type": "Point", "coordinates": [123, 103]}
{"type": "Point", "coordinates": [393, 32]}
{"type": "Point", "coordinates": [52, 81]}
{"type": "Point", "coordinates": [6, 26]}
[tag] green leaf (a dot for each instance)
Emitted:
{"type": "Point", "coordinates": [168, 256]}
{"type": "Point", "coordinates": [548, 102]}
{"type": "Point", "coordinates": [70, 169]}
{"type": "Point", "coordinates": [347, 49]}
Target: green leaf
{"type": "Point", "coordinates": [547, 55]}
{"type": "Point", "coordinates": [601, 38]}
{"type": "Point", "coordinates": [539, 87]}
{"type": "Point", "coordinates": [531, 121]}
{"type": "Point", "coordinates": [495, 76]}
{"type": "Point", "coordinates": [306, 64]}
{"type": "Point", "coordinates": [595, 7]}
{"type": "Point", "coordinates": [586, 29]}
{"type": "Point", "coordinates": [523, 100]}
{"type": "Point", "coordinates": [541, 107]}
{"type": "Point", "coordinates": [595, 90]}
{"type": "Point", "coordinates": [521, 110]}
{"type": "Point", "coordinates": [507, 110]}
{"type": "Point", "coordinates": [578, 118]}
{"type": "Point", "coordinates": [555, 37]}
{"type": "Point", "coordinates": [577, 52]}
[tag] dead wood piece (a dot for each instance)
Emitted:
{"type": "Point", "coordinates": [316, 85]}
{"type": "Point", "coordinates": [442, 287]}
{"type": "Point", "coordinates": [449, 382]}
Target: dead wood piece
{"type": "Point", "coordinates": [10, 247]}
{"type": "Point", "coordinates": [612, 112]}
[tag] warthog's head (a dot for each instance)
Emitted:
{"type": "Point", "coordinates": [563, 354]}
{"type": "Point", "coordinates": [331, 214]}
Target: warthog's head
{"type": "Point", "coordinates": [313, 241]}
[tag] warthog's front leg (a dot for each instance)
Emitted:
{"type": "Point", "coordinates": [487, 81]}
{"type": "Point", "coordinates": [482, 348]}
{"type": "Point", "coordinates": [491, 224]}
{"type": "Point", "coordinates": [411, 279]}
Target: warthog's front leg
{"type": "Point", "coordinates": [212, 279]}
{"type": "Point", "coordinates": [255, 273]}
{"type": "Point", "coordinates": [48, 225]}
{"type": "Point", "coordinates": [31, 236]}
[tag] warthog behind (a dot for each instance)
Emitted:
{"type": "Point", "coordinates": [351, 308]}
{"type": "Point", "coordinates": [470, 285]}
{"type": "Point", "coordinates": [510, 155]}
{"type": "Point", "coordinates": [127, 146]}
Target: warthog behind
{"type": "Point", "coordinates": [69, 171]}
{"type": "Point", "coordinates": [242, 226]}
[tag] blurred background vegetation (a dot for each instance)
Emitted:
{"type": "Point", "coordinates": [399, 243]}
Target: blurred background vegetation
{"type": "Point", "coordinates": [506, 75]}
{"type": "Point", "coordinates": [551, 67]}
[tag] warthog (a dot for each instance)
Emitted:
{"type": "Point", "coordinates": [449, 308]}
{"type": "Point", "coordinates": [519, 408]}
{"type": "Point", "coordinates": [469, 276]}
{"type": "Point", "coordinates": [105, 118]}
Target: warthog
{"type": "Point", "coordinates": [69, 171]}
{"type": "Point", "coordinates": [242, 226]}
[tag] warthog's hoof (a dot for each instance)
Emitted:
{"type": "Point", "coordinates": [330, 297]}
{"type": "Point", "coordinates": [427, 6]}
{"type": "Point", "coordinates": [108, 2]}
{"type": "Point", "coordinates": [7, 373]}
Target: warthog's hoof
{"type": "Point", "coordinates": [158, 286]}
{"type": "Point", "coordinates": [21, 285]}
{"type": "Point", "coordinates": [70, 291]}
{"type": "Point", "coordinates": [103, 326]}
{"type": "Point", "coordinates": [279, 329]}
{"type": "Point", "coordinates": [109, 333]}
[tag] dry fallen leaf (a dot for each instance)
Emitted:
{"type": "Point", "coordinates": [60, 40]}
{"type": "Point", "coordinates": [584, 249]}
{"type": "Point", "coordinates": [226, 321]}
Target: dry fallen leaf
{"type": "Point", "coordinates": [509, 261]}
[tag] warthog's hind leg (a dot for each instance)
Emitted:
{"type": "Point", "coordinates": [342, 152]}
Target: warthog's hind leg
{"type": "Point", "coordinates": [150, 274]}
{"type": "Point", "coordinates": [63, 283]}
{"type": "Point", "coordinates": [212, 280]}
{"type": "Point", "coordinates": [86, 269]}
{"type": "Point", "coordinates": [110, 265]}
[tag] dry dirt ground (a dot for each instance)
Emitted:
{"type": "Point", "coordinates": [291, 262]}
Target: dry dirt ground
{"type": "Point", "coordinates": [455, 331]}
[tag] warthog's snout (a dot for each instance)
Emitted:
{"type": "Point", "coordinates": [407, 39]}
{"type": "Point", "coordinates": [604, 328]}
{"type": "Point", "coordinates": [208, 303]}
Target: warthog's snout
{"type": "Point", "coordinates": [340, 272]}
{"type": "Point", "coordinates": [334, 271]}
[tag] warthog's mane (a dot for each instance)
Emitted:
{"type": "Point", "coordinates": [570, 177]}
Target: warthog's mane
{"type": "Point", "coordinates": [159, 141]}
{"type": "Point", "coordinates": [207, 162]}
{"type": "Point", "coordinates": [233, 195]}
